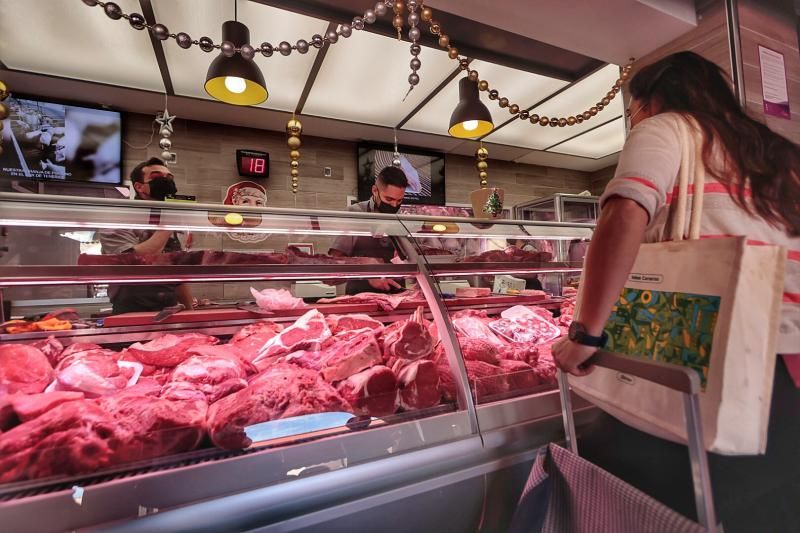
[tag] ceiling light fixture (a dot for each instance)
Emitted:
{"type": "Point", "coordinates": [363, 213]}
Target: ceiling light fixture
{"type": "Point", "coordinates": [471, 118]}
{"type": "Point", "coordinates": [233, 78]}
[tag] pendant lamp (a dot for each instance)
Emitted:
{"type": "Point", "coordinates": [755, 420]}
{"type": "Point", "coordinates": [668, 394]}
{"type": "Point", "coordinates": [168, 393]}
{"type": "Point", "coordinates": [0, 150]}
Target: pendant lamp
{"type": "Point", "coordinates": [236, 79]}
{"type": "Point", "coordinates": [470, 119]}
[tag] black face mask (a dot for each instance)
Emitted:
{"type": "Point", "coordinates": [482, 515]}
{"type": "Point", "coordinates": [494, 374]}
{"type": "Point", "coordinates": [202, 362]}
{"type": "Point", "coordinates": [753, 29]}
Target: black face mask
{"type": "Point", "coordinates": [162, 187]}
{"type": "Point", "coordinates": [382, 207]}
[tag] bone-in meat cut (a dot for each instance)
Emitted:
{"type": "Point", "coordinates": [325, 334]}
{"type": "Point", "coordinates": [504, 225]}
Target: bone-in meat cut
{"type": "Point", "coordinates": [339, 323]}
{"type": "Point", "coordinates": [169, 350]}
{"type": "Point", "coordinates": [23, 368]}
{"type": "Point", "coordinates": [353, 353]}
{"type": "Point", "coordinates": [281, 391]}
{"type": "Point", "coordinates": [419, 385]}
{"type": "Point", "coordinates": [411, 341]}
{"type": "Point", "coordinates": [308, 332]}
{"type": "Point", "coordinates": [252, 337]}
{"type": "Point", "coordinates": [214, 371]}
{"type": "Point", "coordinates": [386, 302]}
{"type": "Point", "coordinates": [51, 348]}
{"type": "Point", "coordinates": [372, 392]}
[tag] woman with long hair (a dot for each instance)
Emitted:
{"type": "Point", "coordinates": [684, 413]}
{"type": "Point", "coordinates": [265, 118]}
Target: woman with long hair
{"type": "Point", "coordinates": [753, 189]}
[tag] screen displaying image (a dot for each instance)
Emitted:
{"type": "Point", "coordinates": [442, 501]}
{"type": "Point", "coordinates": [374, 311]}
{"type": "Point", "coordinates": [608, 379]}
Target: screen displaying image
{"type": "Point", "coordinates": [53, 141]}
{"type": "Point", "coordinates": [424, 170]}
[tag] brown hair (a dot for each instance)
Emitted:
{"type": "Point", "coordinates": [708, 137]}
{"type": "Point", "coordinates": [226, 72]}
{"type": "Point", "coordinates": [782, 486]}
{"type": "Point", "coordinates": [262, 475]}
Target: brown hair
{"type": "Point", "coordinates": [392, 176]}
{"type": "Point", "coordinates": [756, 157]}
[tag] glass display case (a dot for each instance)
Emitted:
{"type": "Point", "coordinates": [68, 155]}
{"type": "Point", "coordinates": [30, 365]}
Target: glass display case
{"type": "Point", "coordinates": [148, 345]}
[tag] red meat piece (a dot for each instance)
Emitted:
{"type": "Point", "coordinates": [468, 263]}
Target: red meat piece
{"type": "Point", "coordinates": [23, 368]}
{"type": "Point", "coordinates": [372, 392]}
{"type": "Point", "coordinates": [519, 375]}
{"type": "Point", "coordinates": [30, 406]}
{"type": "Point", "coordinates": [94, 373]}
{"type": "Point", "coordinates": [214, 371]}
{"type": "Point", "coordinates": [309, 331]}
{"type": "Point", "coordinates": [525, 352]}
{"type": "Point", "coordinates": [387, 302]}
{"type": "Point", "coordinates": [168, 350]}
{"type": "Point", "coordinates": [51, 348]}
{"type": "Point", "coordinates": [485, 379]}
{"type": "Point", "coordinates": [478, 350]}
{"type": "Point", "coordinates": [419, 385]}
{"type": "Point", "coordinates": [252, 337]}
{"type": "Point", "coordinates": [339, 323]}
{"type": "Point", "coordinates": [282, 391]}
{"type": "Point", "coordinates": [411, 340]}
{"type": "Point", "coordinates": [349, 355]}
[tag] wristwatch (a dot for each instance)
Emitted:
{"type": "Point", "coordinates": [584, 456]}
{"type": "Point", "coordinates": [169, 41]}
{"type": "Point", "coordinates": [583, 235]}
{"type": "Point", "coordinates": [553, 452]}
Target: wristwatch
{"type": "Point", "coordinates": [578, 335]}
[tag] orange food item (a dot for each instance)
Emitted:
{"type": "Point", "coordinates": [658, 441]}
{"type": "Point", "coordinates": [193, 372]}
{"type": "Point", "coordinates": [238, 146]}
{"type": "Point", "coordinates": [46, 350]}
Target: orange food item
{"type": "Point", "coordinates": [53, 324]}
{"type": "Point", "coordinates": [20, 326]}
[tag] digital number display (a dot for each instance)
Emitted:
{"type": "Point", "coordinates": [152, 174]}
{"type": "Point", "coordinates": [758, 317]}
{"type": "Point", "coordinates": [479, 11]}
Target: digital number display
{"type": "Point", "coordinates": [252, 164]}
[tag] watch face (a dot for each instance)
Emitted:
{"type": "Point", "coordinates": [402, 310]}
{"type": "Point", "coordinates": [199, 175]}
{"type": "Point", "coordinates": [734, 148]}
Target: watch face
{"type": "Point", "coordinates": [576, 331]}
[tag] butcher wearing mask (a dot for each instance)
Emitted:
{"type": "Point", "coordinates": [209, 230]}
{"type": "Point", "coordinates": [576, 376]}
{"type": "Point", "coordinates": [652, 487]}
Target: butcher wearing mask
{"type": "Point", "coordinates": [151, 180]}
{"type": "Point", "coordinates": [387, 197]}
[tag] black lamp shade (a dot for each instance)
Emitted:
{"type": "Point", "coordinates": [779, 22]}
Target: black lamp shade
{"type": "Point", "coordinates": [242, 75]}
{"type": "Point", "coordinates": [470, 119]}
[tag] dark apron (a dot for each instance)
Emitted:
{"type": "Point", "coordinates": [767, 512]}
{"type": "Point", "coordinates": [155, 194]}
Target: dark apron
{"type": "Point", "coordinates": [379, 247]}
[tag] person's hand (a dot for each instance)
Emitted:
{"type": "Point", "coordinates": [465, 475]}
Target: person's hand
{"type": "Point", "coordinates": [384, 284]}
{"type": "Point", "coordinates": [570, 356]}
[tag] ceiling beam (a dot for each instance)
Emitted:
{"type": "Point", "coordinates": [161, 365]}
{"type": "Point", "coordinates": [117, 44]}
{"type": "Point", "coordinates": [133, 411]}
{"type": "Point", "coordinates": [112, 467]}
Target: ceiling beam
{"type": "Point", "coordinates": [450, 77]}
{"type": "Point", "coordinates": [315, 68]}
{"type": "Point", "coordinates": [158, 48]}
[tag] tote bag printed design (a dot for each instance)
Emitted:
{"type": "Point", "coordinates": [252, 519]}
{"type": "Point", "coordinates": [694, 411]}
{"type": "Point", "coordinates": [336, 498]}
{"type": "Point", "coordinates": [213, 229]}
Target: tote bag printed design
{"type": "Point", "coordinates": [712, 305]}
{"type": "Point", "coordinates": [670, 327]}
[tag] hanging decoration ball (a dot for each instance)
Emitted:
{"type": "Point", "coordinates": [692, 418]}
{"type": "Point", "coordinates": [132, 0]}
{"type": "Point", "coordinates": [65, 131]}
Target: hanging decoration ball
{"type": "Point", "coordinates": [562, 122]}
{"type": "Point", "coordinates": [380, 9]}
{"type": "Point", "coordinates": [399, 6]}
{"type": "Point", "coordinates": [503, 102]}
{"type": "Point", "coordinates": [534, 118]}
{"type": "Point", "coordinates": [165, 143]}
{"type": "Point", "coordinates": [414, 34]}
{"type": "Point", "coordinates": [285, 48]}
{"type": "Point", "coordinates": [358, 23]}
{"type": "Point", "coordinates": [412, 4]}
{"type": "Point", "coordinates": [137, 21]}
{"type": "Point", "coordinates": [160, 32]}
{"type": "Point", "coordinates": [413, 79]}
{"type": "Point", "coordinates": [473, 75]}
{"type": "Point", "coordinates": [295, 172]}
{"type": "Point", "coordinates": [166, 155]}
{"type": "Point", "coordinates": [483, 175]}
{"type": "Point", "coordinates": [413, 19]}
{"type": "Point", "coordinates": [294, 127]}
{"type": "Point", "coordinates": [183, 40]}
{"type": "Point", "coordinates": [493, 94]}
{"type": "Point", "coordinates": [247, 51]}
{"type": "Point", "coordinates": [600, 106]}
{"type": "Point", "coordinates": [553, 122]}
{"type": "Point", "coordinates": [605, 101]}
{"type": "Point", "coordinates": [452, 53]}
{"type": "Point", "coordinates": [513, 109]}
{"type": "Point", "coordinates": [544, 121]}
{"type": "Point", "coordinates": [482, 154]}
{"type": "Point", "coordinates": [90, 3]}
{"type": "Point", "coordinates": [332, 36]}
{"type": "Point", "coordinates": [579, 119]}
{"type": "Point", "coordinates": [415, 64]}
{"type": "Point", "coordinates": [463, 63]}
{"type": "Point", "coordinates": [369, 16]}
{"type": "Point", "coordinates": [396, 163]}
{"type": "Point", "coordinates": [345, 29]}
{"type": "Point", "coordinates": [444, 41]}
{"type": "Point", "coordinates": [228, 49]}
{"type": "Point", "coordinates": [593, 111]}
{"type": "Point", "coordinates": [302, 46]}
{"type": "Point", "coordinates": [113, 11]}
{"type": "Point", "coordinates": [571, 121]}
{"type": "Point", "coordinates": [3, 91]}
{"type": "Point", "coordinates": [206, 44]}
{"type": "Point", "coordinates": [316, 40]}
{"type": "Point", "coordinates": [3, 112]}
{"type": "Point", "coordinates": [524, 114]}
{"type": "Point", "coordinates": [294, 155]}
{"type": "Point", "coordinates": [587, 115]}
{"type": "Point", "coordinates": [397, 22]}
{"type": "Point", "coordinates": [294, 164]}
{"type": "Point", "coordinates": [294, 142]}
{"type": "Point", "coordinates": [165, 132]}
{"type": "Point", "coordinates": [482, 165]}
{"type": "Point", "coordinates": [415, 49]}
{"type": "Point", "coordinates": [427, 14]}
{"type": "Point", "coordinates": [483, 85]}
{"type": "Point", "coordinates": [435, 28]}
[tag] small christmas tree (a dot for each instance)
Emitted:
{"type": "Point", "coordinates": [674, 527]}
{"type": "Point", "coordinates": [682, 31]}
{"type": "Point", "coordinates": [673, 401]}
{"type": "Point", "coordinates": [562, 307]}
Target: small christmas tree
{"type": "Point", "coordinates": [493, 206]}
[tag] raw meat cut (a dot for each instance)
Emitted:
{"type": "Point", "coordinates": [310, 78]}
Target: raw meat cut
{"type": "Point", "coordinates": [411, 340]}
{"type": "Point", "coordinates": [372, 392]}
{"type": "Point", "coordinates": [525, 352]}
{"type": "Point", "coordinates": [51, 348]}
{"type": "Point", "coordinates": [238, 258]}
{"type": "Point", "coordinates": [475, 328]}
{"type": "Point", "coordinates": [352, 354]}
{"type": "Point", "coordinates": [182, 391]}
{"type": "Point", "coordinates": [567, 311]}
{"type": "Point", "coordinates": [519, 375]}
{"type": "Point", "coordinates": [252, 337]}
{"type": "Point", "coordinates": [521, 324]}
{"type": "Point", "coordinates": [23, 368]}
{"type": "Point", "coordinates": [419, 385]}
{"type": "Point", "coordinates": [485, 379]}
{"type": "Point", "coordinates": [94, 373]}
{"type": "Point", "coordinates": [309, 331]}
{"type": "Point", "coordinates": [387, 302]}
{"type": "Point", "coordinates": [215, 371]}
{"type": "Point", "coordinates": [339, 323]}
{"type": "Point", "coordinates": [478, 350]}
{"type": "Point", "coordinates": [282, 391]}
{"type": "Point", "coordinates": [30, 406]}
{"type": "Point", "coordinates": [533, 293]}
{"type": "Point", "coordinates": [510, 254]}
{"type": "Point", "coordinates": [545, 367]}
{"type": "Point", "coordinates": [169, 350]}
{"type": "Point", "coordinates": [472, 292]}
{"type": "Point", "coordinates": [304, 359]}
{"type": "Point", "coordinates": [72, 438]}
{"type": "Point", "coordinates": [515, 331]}
{"type": "Point", "coordinates": [146, 427]}
{"type": "Point", "coordinates": [78, 347]}
{"type": "Point", "coordinates": [276, 299]}
{"type": "Point", "coordinates": [297, 256]}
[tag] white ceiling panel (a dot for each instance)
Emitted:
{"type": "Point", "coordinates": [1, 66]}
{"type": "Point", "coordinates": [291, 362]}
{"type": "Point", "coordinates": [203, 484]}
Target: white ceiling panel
{"type": "Point", "coordinates": [576, 99]}
{"type": "Point", "coordinates": [521, 88]}
{"type": "Point", "coordinates": [72, 40]}
{"type": "Point", "coordinates": [600, 142]}
{"type": "Point", "coordinates": [285, 75]}
{"type": "Point", "coordinates": [364, 79]}
{"type": "Point", "coordinates": [550, 159]}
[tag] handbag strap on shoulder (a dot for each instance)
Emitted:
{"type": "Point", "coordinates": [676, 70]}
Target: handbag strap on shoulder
{"type": "Point", "coordinates": [691, 170]}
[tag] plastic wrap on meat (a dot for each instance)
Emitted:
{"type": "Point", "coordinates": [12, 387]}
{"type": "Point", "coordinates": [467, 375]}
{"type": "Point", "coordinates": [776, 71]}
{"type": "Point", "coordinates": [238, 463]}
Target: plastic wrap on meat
{"type": "Point", "coordinates": [168, 350]}
{"type": "Point", "coordinates": [347, 355]}
{"type": "Point", "coordinates": [478, 350]}
{"type": "Point", "coordinates": [51, 348]}
{"type": "Point", "coordinates": [523, 325]}
{"type": "Point", "coordinates": [214, 371]}
{"type": "Point", "coordinates": [23, 368]}
{"type": "Point", "coordinates": [519, 375]}
{"type": "Point", "coordinates": [95, 373]}
{"type": "Point", "coordinates": [411, 340]}
{"type": "Point", "coordinates": [276, 299]}
{"type": "Point", "coordinates": [281, 391]}
{"type": "Point", "coordinates": [371, 392]}
{"type": "Point", "coordinates": [339, 323]}
{"type": "Point", "coordinates": [475, 328]}
{"type": "Point", "coordinates": [419, 385]}
{"type": "Point", "coordinates": [308, 332]}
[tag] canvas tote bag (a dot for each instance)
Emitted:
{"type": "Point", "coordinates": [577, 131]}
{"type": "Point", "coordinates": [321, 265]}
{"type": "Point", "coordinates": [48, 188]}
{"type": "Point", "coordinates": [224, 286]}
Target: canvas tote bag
{"type": "Point", "coordinates": [712, 305]}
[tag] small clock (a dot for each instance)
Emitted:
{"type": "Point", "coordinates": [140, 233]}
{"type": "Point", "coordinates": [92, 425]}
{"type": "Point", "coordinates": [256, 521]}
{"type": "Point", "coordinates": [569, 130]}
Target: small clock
{"type": "Point", "coordinates": [252, 163]}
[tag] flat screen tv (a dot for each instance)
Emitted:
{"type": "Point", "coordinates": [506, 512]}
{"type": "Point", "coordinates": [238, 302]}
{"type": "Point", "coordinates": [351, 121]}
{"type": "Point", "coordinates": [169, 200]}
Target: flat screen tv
{"type": "Point", "coordinates": [49, 140]}
{"type": "Point", "coordinates": [424, 170]}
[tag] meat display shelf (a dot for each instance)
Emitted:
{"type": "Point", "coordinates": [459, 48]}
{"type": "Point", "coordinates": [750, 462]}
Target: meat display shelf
{"type": "Point", "coordinates": [476, 431]}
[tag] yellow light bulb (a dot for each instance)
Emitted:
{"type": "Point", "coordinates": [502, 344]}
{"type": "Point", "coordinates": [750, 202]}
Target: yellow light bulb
{"type": "Point", "coordinates": [235, 85]}
{"type": "Point", "coordinates": [439, 227]}
{"type": "Point", "coordinates": [234, 219]}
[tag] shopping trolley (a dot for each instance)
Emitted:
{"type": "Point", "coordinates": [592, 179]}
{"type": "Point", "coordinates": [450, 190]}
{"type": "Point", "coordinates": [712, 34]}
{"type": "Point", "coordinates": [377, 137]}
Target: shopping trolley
{"type": "Point", "coordinates": [565, 493]}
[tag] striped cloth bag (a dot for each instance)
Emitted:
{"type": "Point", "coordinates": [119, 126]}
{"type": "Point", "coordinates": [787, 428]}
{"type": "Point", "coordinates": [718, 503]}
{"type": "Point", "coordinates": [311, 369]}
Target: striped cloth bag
{"type": "Point", "coordinates": [567, 494]}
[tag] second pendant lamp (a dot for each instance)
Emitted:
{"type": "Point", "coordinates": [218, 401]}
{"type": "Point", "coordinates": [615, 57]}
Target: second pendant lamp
{"type": "Point", "coordinates": [236, 79]}
{"type": "Point", "coordinates": [471, 118]}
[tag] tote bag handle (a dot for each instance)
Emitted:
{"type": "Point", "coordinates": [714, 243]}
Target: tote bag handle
{"type": "Point", "coordinates": [692, 167]}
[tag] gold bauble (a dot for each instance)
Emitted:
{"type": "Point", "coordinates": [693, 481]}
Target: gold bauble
{"type": "Point", "coordinates": [3, 91]}
{"type": "Point", "coordinates": [482, 165]}
{"type": "Point", "coordinates": [294, 155]}
{"type": "Point", "coordinates": [397, 22]}
{"type": "Point", "coordinates": [399, 6]}
{"type": "Point", "coordinates": [611, 94]}
{"type": "Point", "coordinates": [444, 40]}
{"type": "Point", "coordinates": [544, 121]}
{"type": "Point", "coordinates": [484, 183]}
{"type": "Point", "coordinates": [483, 85]}
{"type": "Point", "coordinates": [482, 153]}
{"type": "Point", "coordinates": [435, 28]}
{"type": "Point", "coordinates": [452, 53]}
{"type": "Point", "coordinates": [579, 119]}
{"type": "Point", "coordinates": [294, 172]}
{"type": "Point", "coordinates": [624, 75]}
{"type": "Point", "coordinates": [3, 111]}
{"type": "Point", "coordinates": [427, 14]}
{"type": "Point", "coordinates": [483, 174]}
{"type": "Point", "coordinates": [593, 111]}
{"type": "Point", "coordinates": [294, 164]}
{"type": "Point", "coordinates": [294, 142]}
{"type": "Point", "coordinates": [562, 122]}
{"type": "Point", "coordinates": [513, 109]}
{"type": "Point", "coordinates": [294, 127]}
{"type": "Point", "coordinates": [586, 115]}
{"type": "Point", "coordinates": [618, 84]}
{"type": "Point", "coordinates": [605, 101]}
{"type": "Point", "coordinates": [600, 106]}
{"type": "Point", "coordinates": [571, 121]}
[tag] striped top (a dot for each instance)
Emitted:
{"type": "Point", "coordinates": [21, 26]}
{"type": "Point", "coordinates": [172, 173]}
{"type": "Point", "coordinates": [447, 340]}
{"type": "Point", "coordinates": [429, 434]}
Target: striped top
{"type": "Point", "coordinates": [648, 174]}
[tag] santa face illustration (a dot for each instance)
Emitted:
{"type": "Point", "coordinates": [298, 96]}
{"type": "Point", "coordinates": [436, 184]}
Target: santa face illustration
{"type": "Point", "coordinates": [250, 194]}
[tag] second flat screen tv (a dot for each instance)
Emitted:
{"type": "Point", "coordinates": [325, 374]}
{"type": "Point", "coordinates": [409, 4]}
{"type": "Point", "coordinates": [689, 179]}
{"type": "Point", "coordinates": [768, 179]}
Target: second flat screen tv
{"type": "Point", "coordinates": [424, 170]}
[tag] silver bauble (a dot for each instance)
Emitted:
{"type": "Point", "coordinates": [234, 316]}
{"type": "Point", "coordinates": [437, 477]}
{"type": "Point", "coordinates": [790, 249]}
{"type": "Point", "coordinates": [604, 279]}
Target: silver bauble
{"type": "Point", "coordinates": [165, 143]}
{"type": "Point", "coordinates": [165, 132]}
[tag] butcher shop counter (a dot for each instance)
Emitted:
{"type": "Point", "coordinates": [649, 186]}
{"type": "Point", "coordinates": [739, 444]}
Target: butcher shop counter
{"type": "Point", "coordinates": [275, 411]}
